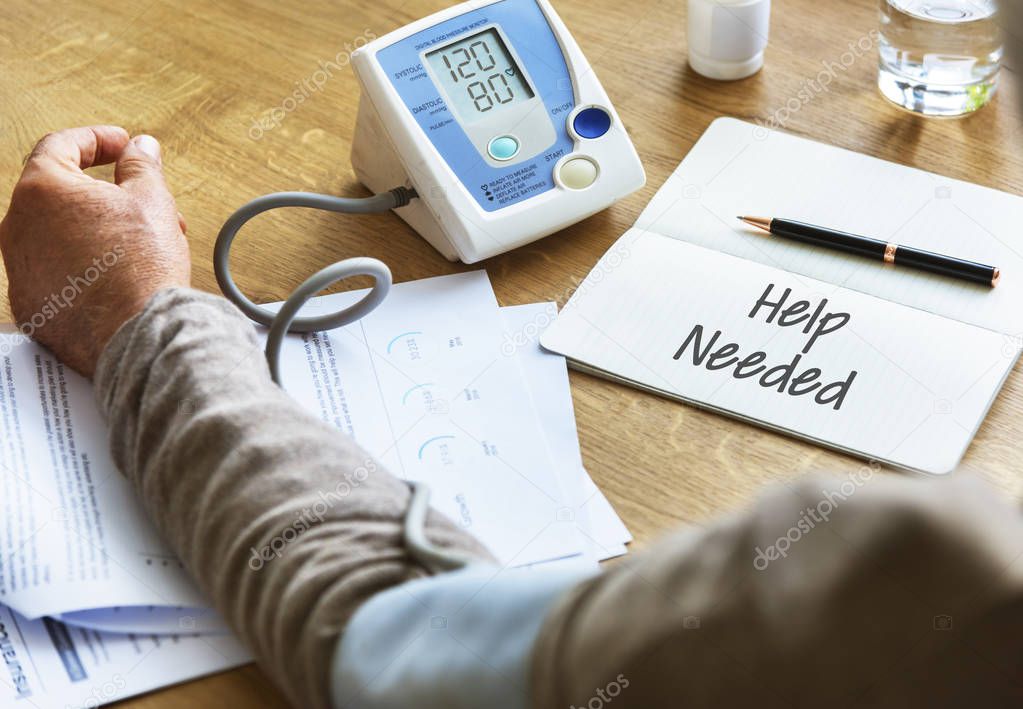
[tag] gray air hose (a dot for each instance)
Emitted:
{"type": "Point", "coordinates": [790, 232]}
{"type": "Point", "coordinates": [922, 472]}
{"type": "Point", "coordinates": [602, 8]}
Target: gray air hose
{"type": "Point", "coordinates": [286, 319]}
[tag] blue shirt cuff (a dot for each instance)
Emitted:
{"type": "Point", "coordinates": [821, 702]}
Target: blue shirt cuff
{"type": "Point", "coordinates": [458, 640]}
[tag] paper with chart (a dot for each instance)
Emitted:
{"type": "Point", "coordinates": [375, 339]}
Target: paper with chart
{"type": "Point", "coordinates": [51, 664]}
{"type": "Point", "coordinates": [76, 542]}
{"type": "Point", "coordinates": [528, 400]}
{"type": "Point", "coordinates": [456, 413]}
{"type": "Point", "coordinates": [895, 365]}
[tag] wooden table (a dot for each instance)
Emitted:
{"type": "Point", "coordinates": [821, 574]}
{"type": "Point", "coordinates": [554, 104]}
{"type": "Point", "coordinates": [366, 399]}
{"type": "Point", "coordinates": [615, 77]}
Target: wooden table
{"type": "Point", "coordinates": [197, 75]}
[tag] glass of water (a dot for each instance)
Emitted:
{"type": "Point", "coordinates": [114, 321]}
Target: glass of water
{"type": "Point", "coordinates": [940, 57]}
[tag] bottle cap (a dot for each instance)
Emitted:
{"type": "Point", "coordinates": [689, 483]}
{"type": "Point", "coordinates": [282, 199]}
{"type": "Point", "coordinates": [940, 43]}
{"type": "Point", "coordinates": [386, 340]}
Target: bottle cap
{"type": "Point", "coordinates": [727, 38]}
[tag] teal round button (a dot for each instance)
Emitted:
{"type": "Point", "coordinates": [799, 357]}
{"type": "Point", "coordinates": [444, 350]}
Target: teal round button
{"type": "Point", "coordinates": [504, 147]}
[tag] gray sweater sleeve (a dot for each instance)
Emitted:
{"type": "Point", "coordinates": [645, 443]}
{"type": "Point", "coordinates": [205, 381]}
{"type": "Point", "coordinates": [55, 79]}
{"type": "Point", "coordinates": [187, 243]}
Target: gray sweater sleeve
{"type": "Point", "coordinates": [287, 525]}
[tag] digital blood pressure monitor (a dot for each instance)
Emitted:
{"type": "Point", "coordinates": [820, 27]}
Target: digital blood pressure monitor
{"type": "Point", "coordinates": [483, 127]}
{"type": "Point", "coordinates": [491, 113]}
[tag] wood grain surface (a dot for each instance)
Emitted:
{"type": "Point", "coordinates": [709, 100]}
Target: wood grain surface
{"type": "Point", "coordinates": [199, 75]}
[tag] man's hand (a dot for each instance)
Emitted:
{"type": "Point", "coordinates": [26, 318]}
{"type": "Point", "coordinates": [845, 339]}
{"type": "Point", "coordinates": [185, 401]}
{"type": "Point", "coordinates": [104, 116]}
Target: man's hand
{"type": "Point", "coordinates": [83, 256]}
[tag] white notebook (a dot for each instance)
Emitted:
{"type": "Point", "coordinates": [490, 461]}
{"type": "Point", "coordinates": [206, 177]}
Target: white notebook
{"type": "Point", "coordinates": [891, 364]}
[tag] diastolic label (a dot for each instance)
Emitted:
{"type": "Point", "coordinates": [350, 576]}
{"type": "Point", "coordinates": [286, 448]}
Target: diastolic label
{"type": "Point", "coordinates": [478, 76]}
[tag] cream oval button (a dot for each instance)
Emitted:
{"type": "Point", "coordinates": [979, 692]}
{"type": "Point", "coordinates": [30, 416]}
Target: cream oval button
{"type": "Point", "coordinates": [578, 173]}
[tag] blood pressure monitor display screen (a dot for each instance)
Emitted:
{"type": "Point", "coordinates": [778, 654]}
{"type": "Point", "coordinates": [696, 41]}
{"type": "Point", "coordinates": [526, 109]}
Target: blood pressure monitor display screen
{"type": "Point", "coordinates": [479, 76]}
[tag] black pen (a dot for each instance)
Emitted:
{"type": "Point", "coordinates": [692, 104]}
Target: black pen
{"type": "Point", "coordinates": [879, 250]}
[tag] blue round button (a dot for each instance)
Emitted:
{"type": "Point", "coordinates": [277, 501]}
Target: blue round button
{"type": "Point", "coordinates": [504, 148]}
{"type": "Point", "coordinates": [592, 122]}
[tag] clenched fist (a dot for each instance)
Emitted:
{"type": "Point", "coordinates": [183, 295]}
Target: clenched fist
{"type": "Point", "coordinates": [84, 255]}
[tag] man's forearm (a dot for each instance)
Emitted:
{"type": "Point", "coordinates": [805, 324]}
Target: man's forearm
{"type": "Point", "coordinates": [286, 524]}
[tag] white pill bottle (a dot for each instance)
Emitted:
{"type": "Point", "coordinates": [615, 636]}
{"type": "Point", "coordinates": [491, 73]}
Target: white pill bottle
{"type": "Point", "coordinates": [727, 38]}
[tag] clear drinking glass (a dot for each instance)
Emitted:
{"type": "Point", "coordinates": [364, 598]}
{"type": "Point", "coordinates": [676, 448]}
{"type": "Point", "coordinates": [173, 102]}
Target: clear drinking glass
{"type": "Point", "coordinates": [940, 57]}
